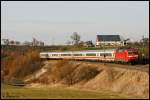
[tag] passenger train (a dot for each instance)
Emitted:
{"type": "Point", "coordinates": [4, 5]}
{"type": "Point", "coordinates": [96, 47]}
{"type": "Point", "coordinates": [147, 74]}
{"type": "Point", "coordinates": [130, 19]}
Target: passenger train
{"type": "Point", "coordinates": [108, 55]}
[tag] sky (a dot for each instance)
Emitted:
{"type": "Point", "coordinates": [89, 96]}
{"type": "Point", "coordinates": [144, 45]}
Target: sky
{"type": "Point", "coordinates": [54, 21]}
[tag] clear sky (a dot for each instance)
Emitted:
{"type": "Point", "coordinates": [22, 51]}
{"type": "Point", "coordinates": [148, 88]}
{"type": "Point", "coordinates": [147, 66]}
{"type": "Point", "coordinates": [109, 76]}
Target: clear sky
{"type": "Point", "coordinates": [54, 21]}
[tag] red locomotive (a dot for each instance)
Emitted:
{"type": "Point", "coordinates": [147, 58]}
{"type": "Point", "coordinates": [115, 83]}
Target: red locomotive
{"type": "Point", "coordinates": [126, 55]}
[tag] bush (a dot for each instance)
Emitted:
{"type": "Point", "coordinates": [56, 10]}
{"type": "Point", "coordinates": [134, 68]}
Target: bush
{"type": "Point", "coordinates": [28, 64]}
{"type": "Point", "coordinates": [19, 66]}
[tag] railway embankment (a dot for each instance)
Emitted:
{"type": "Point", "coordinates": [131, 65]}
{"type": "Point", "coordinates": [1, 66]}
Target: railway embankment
{"type": "Point", "coordinates": [123, 79]}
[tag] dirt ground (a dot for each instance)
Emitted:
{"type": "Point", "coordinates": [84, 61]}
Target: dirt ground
{"type": "Point", "coordinates": [124, 79]}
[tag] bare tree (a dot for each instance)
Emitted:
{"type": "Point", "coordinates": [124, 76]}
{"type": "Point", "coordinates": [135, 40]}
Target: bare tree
{"type": "Point", "coordinates": [6, 41]}
{"type": "Point", "coordinates": [144, 41]}
{"type": "Point", "coordinates": [126, 40]}
{"type": "Point", "coordinates": [75, 37]}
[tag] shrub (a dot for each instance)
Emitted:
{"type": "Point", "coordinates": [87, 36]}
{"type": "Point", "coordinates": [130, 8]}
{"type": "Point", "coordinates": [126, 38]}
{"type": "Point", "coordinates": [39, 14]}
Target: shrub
{"type": "Point", "coordinates": [20, 65]}
{"type": "Point", "coordinates": [28, 64]}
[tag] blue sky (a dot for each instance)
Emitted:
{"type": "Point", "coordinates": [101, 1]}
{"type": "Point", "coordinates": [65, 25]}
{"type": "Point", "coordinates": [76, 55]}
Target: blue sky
{"type": "Point", "coordinates": [55, 21]}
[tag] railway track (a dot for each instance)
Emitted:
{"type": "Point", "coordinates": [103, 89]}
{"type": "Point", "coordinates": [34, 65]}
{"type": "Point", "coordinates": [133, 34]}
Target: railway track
{"type": "Point", "coordinates": [144, 68]}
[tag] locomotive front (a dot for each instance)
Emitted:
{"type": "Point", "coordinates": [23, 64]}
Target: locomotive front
{"type": "Point", "coordinates": [132, 55]}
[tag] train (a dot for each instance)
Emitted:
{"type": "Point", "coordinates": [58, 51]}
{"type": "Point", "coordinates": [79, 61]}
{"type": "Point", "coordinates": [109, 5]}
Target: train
{"type": "Point", "coordinates": [106, 55]}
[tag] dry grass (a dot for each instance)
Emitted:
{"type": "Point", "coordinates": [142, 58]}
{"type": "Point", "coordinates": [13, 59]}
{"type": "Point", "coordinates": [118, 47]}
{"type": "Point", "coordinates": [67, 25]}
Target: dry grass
{"type": "Point", "coordinates": [59, 92]}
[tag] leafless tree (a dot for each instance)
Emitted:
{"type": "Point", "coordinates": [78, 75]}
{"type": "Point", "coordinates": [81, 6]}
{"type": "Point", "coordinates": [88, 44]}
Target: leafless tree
{"type": "Point", "coordinates": [76, 38]}
{"type": "Point", "coordinates": [6, 41]}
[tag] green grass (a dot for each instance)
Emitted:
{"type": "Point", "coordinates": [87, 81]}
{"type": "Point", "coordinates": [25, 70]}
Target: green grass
{"type": "Point", "coordinates": [15, 92]}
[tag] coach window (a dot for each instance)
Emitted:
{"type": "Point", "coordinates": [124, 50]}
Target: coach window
{"type": "Point", "coordinates": [62, 54]}
{"type": "Point", "coordinates": [91, 54]}
{"type": "Point", "coordinates": [65, 54]}
{"type": "Point", "coordinates": [44, 55]}
{"type": "Point", "coordinates": [106, 54]}
{"type": "Point", "coordinates": [102, 54]}
{"type": "Point", "coordinates": [54, 54]}
{"type": "Point", "coordinates": [77, 54]}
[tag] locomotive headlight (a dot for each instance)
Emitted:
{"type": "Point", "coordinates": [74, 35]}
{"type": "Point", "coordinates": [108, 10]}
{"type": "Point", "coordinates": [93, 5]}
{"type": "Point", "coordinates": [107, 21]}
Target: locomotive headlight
{"type": "Point", "coordinates": [130, 56]}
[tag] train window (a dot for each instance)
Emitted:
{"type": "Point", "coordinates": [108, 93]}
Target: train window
{"type": "Point", "coordinates": [65, 54]}
{"type": "Point", "coordinates": [77, 54]}
{"type": "Point", "coordinates": [102, 54]}
{"type": "Point", "coordinates": [46, 55]}
{"type": "Point", "coordinates": [54, 54]}
{"type": "Point", "coordinates": [132, 53]}
{"type": "Point", "coordinates": [106, 54]}
{"type": "Point", "coordinates": [91, 54]}
{"type": "Point", "coordinates": [120, 50]}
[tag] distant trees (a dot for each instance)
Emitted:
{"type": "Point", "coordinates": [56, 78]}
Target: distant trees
{"type": "Point", "coordinates": [126, 40]}
{"type": "Point", "coordinates": [144, 41]}
{"type": "Point", "coordinates": [76, 38]}
{"type": "Point", "coordinates": [35, 42]}
{"type": "Point", "coordinates": [6, 41]}
{"type": "Point", "coordinates": [88, 44]}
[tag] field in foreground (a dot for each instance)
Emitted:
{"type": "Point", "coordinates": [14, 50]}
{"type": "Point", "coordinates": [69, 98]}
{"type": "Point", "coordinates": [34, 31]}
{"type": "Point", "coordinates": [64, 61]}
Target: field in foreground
{"type": "Point", "coordinates": [15, 92]}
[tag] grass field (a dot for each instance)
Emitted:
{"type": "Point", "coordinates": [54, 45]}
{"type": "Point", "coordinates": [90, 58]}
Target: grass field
{"type": "Point", "coordinates": [15, 92]}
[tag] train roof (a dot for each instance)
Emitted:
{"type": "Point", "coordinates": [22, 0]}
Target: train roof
{"type": "Point", "coordinates": [84, 51]}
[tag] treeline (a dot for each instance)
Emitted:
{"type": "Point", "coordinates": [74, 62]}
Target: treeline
{"type": "Point", "coordinates": [26, 48]}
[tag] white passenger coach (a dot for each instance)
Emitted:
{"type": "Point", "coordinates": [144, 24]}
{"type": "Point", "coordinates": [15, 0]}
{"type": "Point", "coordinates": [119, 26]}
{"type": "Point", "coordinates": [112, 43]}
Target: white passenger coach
{"type": "Point", "coordinates": [107, 55]}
